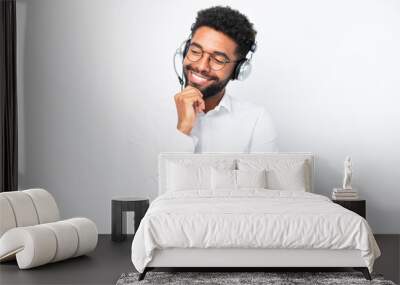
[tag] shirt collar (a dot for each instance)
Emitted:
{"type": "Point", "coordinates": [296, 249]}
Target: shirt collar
{"type": "Point", "coordinates": [225, 102]}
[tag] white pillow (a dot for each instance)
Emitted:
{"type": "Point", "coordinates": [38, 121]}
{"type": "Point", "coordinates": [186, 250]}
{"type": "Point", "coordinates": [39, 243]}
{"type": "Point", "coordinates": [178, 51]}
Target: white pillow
{"type": "Point", "coordinates": [287, 179]}
{"type": "Point", "coordinates": [223, 179]}
{"type": "Point", "coordinates": [282, 174]}
{"type": "Point", "coordinates": [237, 179]}
{"type": "Point", "coordinates": [188, 177]}
{"type": "Point", "coordinates": [251, 178]}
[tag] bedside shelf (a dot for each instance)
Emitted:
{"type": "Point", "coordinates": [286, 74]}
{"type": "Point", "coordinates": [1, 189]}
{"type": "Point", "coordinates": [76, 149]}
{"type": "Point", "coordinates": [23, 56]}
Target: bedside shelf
{"type": "Point", "coordinates": [357, 206]}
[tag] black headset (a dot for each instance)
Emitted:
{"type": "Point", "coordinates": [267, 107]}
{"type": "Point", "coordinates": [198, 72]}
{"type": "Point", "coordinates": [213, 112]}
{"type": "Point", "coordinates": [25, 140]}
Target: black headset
{"type": "Point", "coordinates": [242, 69]}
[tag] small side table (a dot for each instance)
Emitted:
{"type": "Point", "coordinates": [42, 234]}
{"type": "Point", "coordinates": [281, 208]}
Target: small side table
{"type": "Point", "coordinates": [357, 206]}
{"type": "Point", "coordinates": [119, 207]}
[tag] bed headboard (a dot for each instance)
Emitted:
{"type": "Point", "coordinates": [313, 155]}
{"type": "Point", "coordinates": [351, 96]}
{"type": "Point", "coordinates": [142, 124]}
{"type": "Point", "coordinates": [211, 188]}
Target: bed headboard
{"type": "Point", "coordinates": [165, 157]}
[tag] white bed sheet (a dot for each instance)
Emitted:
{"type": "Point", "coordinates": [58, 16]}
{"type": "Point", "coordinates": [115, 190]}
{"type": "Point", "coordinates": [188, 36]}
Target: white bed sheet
{"type": "Point", "coordinates": [250, 218]}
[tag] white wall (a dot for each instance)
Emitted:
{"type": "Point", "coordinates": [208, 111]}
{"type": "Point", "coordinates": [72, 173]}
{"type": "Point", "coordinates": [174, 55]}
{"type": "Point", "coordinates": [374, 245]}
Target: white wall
{"type": "Point", "coordinates": [96, 94]}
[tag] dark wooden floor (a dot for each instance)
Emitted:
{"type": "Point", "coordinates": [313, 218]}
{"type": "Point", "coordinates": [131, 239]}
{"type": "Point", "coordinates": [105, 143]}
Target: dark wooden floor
{"type": "Point", "coordinates": [111, 259]}
{"type": "Point", "coordinates": [102, 266]}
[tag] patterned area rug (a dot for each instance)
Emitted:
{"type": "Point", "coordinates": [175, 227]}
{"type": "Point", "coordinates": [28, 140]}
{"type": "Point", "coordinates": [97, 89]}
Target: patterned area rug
{"type": "Point", "coordinates": [270, 278]}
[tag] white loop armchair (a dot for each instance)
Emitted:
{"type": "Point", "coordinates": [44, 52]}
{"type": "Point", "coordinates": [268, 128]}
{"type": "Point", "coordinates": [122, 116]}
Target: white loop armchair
{"type": "Point", "coordinates": [31, 230]}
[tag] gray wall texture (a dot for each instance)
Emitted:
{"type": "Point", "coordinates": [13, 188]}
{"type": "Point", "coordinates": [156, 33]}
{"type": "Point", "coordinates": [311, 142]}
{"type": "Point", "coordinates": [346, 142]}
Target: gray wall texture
{"type": "Point", "coordinates": [96, 88]}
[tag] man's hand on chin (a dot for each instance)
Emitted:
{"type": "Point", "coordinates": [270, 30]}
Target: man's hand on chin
{"type": "Point", "coordinates": [188, 103]}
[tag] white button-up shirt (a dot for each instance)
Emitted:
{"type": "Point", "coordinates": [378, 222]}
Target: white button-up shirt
{"type": "Point", "coordinates": [232, 126]}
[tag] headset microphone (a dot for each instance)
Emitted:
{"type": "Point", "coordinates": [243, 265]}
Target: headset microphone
{"type": "Point", "coordinates": [180, 56]}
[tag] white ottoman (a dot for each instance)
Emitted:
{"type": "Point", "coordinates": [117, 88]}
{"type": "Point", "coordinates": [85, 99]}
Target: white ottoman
{"type": "Point", "coordinates": [31, 232]}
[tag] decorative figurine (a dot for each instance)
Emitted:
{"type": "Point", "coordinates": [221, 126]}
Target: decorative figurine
{"type": "Point", "coordinates": [347, 174]}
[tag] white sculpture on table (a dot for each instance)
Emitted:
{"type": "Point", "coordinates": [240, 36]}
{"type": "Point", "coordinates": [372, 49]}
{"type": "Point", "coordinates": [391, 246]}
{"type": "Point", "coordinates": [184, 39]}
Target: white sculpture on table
{"type": "Point", "coordinates": [347, 173]}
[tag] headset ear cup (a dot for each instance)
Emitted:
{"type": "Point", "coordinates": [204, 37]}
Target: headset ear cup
{"type": "Point", "coordinates": [245, 70]}
{"type": "Point", "coordinates": [237, 69]}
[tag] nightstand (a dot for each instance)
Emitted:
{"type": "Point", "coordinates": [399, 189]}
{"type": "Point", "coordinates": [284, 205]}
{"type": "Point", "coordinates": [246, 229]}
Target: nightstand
{"type": "Point", "coordinates": [357, 206]}
{"type": "Point", "coordinates": [119, 207]}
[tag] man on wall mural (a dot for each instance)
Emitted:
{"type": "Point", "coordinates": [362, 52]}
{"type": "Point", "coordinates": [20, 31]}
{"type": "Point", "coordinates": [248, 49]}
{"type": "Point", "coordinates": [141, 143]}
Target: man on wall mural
{"type": "Point", "coordinates": [219, 49]}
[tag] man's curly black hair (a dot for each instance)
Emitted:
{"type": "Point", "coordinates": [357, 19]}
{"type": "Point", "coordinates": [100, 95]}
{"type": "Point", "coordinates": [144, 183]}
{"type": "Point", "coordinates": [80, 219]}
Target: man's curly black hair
{"type": "Point", "coordinates": [230, 22]}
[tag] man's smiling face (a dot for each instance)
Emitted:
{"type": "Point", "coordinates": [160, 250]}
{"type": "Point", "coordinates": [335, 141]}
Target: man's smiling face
{"type": "Point", "coordinates": [199, 74]}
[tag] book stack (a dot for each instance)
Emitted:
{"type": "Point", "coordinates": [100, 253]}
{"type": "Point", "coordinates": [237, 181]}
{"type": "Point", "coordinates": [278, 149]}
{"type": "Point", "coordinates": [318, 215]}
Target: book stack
{"type": "Point", "coordinates": [344, 194]}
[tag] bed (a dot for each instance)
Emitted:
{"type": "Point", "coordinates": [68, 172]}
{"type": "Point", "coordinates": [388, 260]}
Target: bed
{"type": "Point", "coordinates": [241, 210]}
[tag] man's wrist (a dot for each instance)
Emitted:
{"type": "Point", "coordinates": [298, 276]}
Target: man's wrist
{"type": "Point", "coordinates": [184, 129]}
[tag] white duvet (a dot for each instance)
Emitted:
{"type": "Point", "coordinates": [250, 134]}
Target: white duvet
{"type": "Point", "coordinates": [251, 218]}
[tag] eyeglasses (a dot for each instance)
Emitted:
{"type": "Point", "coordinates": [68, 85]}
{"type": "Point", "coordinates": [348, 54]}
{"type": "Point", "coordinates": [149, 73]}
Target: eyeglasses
{"type": "Point", "coordinates": [216, 61]}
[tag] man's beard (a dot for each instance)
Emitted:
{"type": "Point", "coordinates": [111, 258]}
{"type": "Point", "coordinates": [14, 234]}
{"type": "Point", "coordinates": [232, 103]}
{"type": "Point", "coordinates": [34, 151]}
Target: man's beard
{"type": "Point", "coordinates": [209, 91]}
